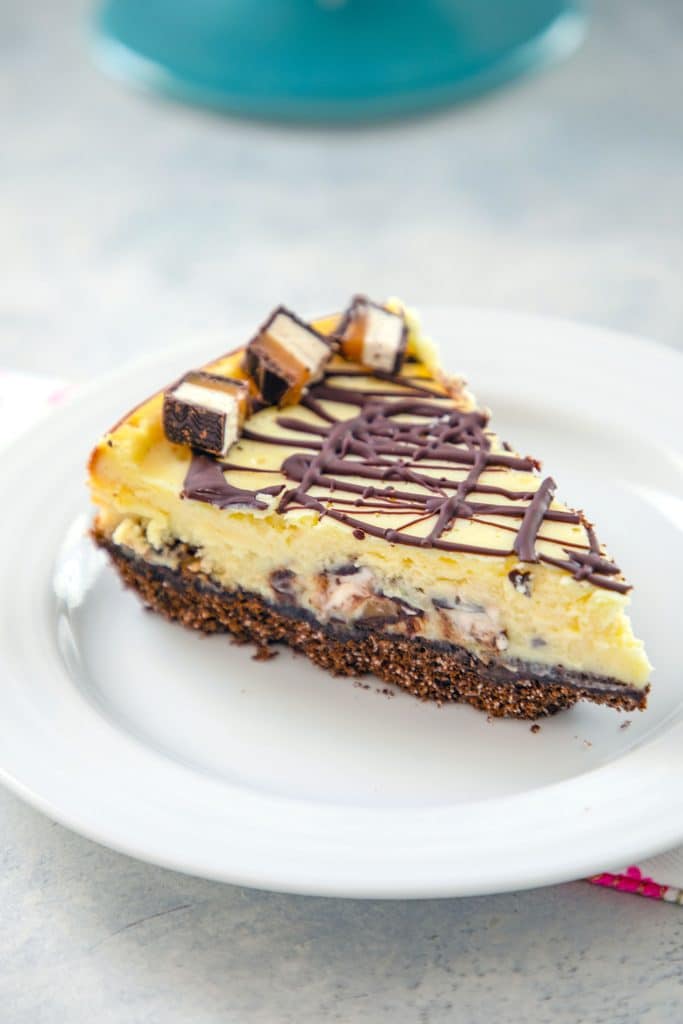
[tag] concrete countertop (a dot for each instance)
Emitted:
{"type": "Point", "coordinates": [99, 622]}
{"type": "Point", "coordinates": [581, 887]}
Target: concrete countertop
{"type": "Point", "coordinates": [130, 224]}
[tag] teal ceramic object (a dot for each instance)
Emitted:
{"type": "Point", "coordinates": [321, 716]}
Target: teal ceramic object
{"type": "Point", "coordinates": [330, 60]}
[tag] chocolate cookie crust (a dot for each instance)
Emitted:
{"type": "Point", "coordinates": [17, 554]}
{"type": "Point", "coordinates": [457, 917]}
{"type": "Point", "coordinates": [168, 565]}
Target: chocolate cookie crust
{"type": "Point", "coordinates": [426, 669]}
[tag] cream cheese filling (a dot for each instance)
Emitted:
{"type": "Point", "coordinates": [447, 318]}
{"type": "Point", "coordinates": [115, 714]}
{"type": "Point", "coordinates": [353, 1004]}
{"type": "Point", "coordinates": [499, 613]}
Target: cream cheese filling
{"type": "Point", "coordinates": [460, 601]}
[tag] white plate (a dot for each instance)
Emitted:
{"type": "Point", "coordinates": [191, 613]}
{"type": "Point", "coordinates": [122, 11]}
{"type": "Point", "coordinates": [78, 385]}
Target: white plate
{"type": "Point", "coordinates": [180, 749]}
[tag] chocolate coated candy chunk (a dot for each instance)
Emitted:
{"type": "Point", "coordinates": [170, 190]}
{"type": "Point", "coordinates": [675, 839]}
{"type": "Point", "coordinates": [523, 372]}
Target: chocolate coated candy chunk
{"type": "Point", "coordinates": [521, 581]}
{"type": "Point", "coordinates": [372, 335]}
{"type": "Point", "coordinates": [205, 411]}
{"type": "Point", "coordinates": [283, 582]}
{"type": "Point", "coordinates": [285, 356]}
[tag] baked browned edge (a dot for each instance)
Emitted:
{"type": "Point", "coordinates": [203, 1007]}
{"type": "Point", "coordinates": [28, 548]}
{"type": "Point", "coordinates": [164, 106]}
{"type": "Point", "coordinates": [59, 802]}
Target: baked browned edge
{"type": "Point", "coordinates": [427, 669]}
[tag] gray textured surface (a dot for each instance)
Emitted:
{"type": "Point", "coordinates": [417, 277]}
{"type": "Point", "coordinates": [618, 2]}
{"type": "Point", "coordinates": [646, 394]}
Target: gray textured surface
{"type": "Point", "coordinates": [126, 225]}
{"type": "Point", "coordinates": [91, 936]}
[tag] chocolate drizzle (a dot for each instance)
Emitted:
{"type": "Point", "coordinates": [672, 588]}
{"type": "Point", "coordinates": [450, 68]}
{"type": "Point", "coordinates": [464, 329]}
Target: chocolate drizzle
{"type": "Point", "coordinates": [525, 541]}
{"type": "Point", "coordinates": [410, 453]}
{"type": "Point", "coordinates": [590, 565]}
{"type": "Point", "coordinates": [205, 482]}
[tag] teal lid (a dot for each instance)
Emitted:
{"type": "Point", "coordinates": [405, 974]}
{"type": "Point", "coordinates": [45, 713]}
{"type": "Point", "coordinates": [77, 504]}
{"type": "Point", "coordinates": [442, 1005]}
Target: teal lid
{"type": "Point", "coordinates": [330, 60]}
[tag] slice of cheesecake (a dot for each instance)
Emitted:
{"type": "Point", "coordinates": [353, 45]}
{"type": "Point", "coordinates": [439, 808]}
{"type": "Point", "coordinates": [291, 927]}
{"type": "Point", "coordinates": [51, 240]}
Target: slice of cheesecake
{"type": "Point", "coordinates": [339, 493]}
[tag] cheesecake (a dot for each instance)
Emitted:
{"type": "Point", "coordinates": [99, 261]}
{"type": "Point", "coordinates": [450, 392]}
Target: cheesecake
{"type": "Point", "coordinates": [330, 487]}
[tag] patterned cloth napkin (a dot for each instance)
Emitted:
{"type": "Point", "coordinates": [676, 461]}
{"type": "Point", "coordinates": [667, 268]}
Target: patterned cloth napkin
{"type": "Point", "coordinates": [660, 878]}
{"type": "Point", "coordinates": [667, 869]}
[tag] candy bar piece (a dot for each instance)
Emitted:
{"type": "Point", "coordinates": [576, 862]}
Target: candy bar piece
{"type": "Point", "coordinates": [206, 411]}
{"type": "Point", "coordinates": [372, 335]}
{"type": "Point", "coordinates": [285, 356]}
